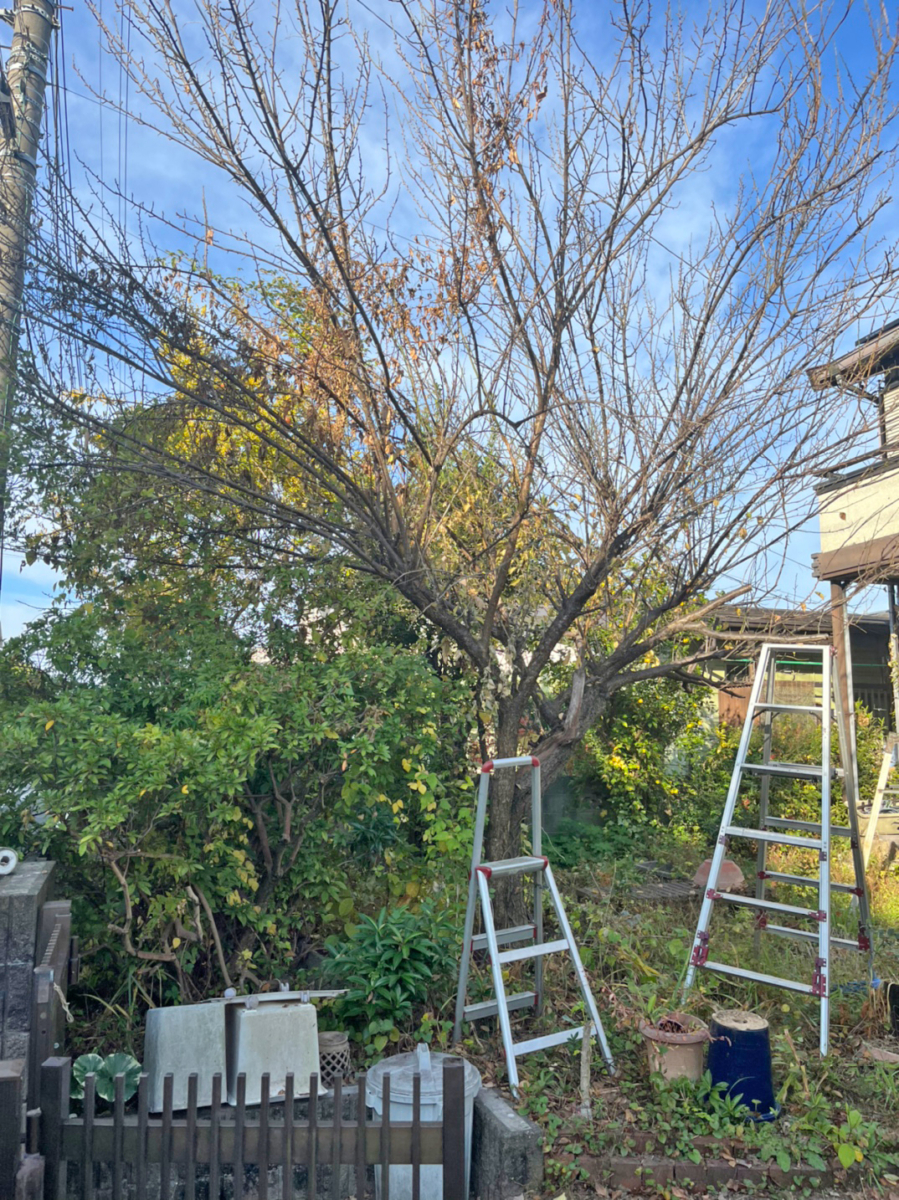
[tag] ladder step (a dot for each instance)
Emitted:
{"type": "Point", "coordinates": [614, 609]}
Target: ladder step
{"type": "Point", "coordinates": [767, 905]}
{"type": "Point", "coordinates": [791, 984]}
{"type": "Point", "coordinates": [789, 770]}
{"type": "Point", "coordinates": [778, 839]}
{"type": "Point", "coordinates": [814, 709]}
{"type": "Point", "coordinates": [505, 937]}
{"type": "Point", "coordinates": [548, 1040]}
{"type": "Point", "coordinates": [805, 935]}
{"type": "Point", "coordinates": [490, 1008]}
{"type": "Point", "coordinates": [527, 865]}
{"type": "Point", "coordinates": [810, 826]}
{"type": "Point", "coordinates": [806, 881]}
{"type": "Point", "coordinates": [510, 956]}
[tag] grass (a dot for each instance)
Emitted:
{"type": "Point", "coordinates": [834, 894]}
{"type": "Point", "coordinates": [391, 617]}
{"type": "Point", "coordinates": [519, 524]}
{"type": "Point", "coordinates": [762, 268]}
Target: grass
{"type": "Point", "coordinates": [635, 955]}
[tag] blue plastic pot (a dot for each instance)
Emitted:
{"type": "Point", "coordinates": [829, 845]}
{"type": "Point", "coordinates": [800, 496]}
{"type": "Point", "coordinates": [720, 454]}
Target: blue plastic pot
{"type": "Point", "coordinates": [740, 1056]}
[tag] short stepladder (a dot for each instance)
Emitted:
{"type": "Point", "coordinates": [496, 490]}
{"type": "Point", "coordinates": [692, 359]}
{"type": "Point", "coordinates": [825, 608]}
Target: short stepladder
{"type": "Point", "coordinates": [483, 874]}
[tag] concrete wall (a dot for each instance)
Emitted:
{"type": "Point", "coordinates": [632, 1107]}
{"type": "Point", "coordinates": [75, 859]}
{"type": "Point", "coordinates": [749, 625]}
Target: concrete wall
{"type": "Point", "coordinates": [21, 895]}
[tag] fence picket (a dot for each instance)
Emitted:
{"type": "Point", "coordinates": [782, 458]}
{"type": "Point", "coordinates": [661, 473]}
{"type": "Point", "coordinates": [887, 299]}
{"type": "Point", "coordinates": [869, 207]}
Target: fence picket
{"type": "Point", "coordinates": [287, 1156]}
{"type": "Point", "coordinates": [337, 1124]}
{"type": "Point", "coordinates": [312, 1139]}
{"type": "Point", "coordinates": [190, 1183]}
{"type": "Point", "coordinates": [87, 1138]}
{"type": "Point", "coordinates": [263, 1151]}
{"type": "Point", "coordinates": [416, 1136]}
{"type": "Point", "coordinates": [361, 1116]}
{"type": "Point", "coordinates": [215, 1148]}
{"type": "Point", "coordinates": [143, 1121]}
{"type": "Point", "coordinates": [385, 1140]}
{"type": "Point", "coordinates": [240, 1130]}
{"type": "Point", "coordinates": [118, 1157]}
{"type": "Point", "coordinates": [165, 1155]}
{"type": "Point", "coordinates": [453, 1129]}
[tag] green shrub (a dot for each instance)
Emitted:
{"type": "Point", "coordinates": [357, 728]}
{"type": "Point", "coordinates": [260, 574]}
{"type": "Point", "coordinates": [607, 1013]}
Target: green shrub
{"type": "Point", "coordinates": [395, 966]}
{"type": "Point", "coordinates": [574, 843]}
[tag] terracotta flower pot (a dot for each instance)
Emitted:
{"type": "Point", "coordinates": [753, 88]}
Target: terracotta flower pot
{"type": "Point", "coordinates": [674, 1044]}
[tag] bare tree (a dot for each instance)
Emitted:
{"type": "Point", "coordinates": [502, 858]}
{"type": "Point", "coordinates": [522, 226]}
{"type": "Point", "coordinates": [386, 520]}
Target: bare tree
{"type": "Point", "coordinates": [543, 368]}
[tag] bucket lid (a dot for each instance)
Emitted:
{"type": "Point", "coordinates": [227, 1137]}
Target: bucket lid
{"type": "Point", "coordinates": [402, 1067]}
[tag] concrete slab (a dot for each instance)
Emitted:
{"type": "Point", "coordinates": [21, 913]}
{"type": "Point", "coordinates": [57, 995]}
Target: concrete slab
{"type": "Point", "coordinates": [507, 1150]}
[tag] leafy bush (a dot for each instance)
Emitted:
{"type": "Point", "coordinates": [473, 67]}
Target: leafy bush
{"type": "Point", "coordinates": [574, 843]}
{"type": "Point", "coordinates": [395, 965]}
{"type": "Point", "coordinates": [214, 815]}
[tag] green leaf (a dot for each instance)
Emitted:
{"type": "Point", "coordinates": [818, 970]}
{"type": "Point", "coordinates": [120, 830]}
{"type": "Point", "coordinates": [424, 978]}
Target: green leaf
{"type": "Point", "coordinates": [783, 1160]}
{"type": "Point", "coordinates": [846, 1154]}
{"type": "Point", "coordinates": [86, 1064]}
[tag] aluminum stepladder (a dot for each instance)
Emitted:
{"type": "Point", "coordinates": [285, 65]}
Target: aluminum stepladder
{"type": "Point", "coordinates": [482, 874]}
{"type": "Point", "coordinates": [780, 831]}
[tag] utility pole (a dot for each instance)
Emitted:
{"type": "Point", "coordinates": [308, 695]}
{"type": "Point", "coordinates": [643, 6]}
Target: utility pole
{"type": "Point", "coordinates": [21, 113]}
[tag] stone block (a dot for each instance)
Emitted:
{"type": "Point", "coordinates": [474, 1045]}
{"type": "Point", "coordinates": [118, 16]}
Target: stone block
{"type": "Point", "coordinates": [13, 1044]}
{"type": "Point", "coordinates": [30, 1178]}
{"type": "Point", "coordinates": [15, 996]}
{"type": "Point", "coordinates": [23, 893]}
{"type": "Point", "coordinates": [507, 1152]}
{"type": "Point", "coordinates": [635, 1172]}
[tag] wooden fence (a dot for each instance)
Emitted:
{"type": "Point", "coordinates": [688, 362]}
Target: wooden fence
{"type": "Point", "coordinates": [221, 1141]}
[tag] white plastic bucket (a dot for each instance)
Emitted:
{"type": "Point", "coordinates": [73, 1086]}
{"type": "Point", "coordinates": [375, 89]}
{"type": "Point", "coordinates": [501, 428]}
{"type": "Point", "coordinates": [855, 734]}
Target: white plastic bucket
{"type": "Point", "coordinates": [401, 1069]}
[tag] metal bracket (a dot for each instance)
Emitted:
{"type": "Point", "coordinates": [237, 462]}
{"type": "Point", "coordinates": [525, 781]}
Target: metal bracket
{"type": "Point", "coordinates": [700, 954]}
{"type": "Point", "coordinates": [819, 979]}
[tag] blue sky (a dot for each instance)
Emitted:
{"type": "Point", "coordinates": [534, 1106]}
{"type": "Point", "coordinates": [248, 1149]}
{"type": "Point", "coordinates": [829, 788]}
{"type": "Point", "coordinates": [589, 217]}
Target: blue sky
{"type": "Point", "coordinates": [155, 171]}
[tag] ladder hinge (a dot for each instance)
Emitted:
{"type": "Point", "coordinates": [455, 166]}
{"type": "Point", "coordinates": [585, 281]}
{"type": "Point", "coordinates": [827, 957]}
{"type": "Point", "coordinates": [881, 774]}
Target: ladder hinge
{"type": "Point", "coordinates": [864, 942]}
{"type": "Point", "coordinates": [822, 856]}
{"type": "Point", "coordinates": [818, 914]}
{"type": "Point", "coordinates": [853, 843]}
{"type": "Point", "coordinates": [485, 871]}
{"type": "Point", "coordinates": [761, 874]}
{"type": "Point", "coordinates": [711, 894]}
{"type": "Point", "coordinates": [700, 954]}
{"type": "Point", "coordinates": [819, 980]}
{"type": "Point", "coordinates": [722, 840]}
{"type": "Point", "coordinates": [857, 891]}
{"type": "Point", "coordinates": [761, 920]}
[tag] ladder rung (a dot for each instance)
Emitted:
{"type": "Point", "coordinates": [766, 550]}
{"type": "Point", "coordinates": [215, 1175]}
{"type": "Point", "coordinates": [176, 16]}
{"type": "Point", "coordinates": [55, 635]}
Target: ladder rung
{"type": "Point", "coordinates": [780, 839]}
{"type": "Point", "coordinates": [547, 1040]}
{"type": "Point", "coordinates": [806, 935]}
{"type": "Point", "coordinates": [815, 709]}
{"type": "Point", "coordinates": [809, 826]}
{"type": "Point", "coordinates": [806, 881]}
{"type": "Point", "coordinates": [791, 984]}
{"type": "Point", "coordinates": [510, 956]}
{"type": "Point", "coordinates": [767, 905]}
{"type": "Point", "coordinates": [490, 1008]}
{"type": "Point", "coordinates": [527, 865]}
{"type": "Point", "coordinates": [789, 770]}
{"type": "Point", "coordinates": [504, 937]}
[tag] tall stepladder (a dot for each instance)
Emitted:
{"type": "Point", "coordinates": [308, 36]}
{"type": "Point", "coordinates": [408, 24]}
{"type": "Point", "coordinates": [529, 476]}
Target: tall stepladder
{"type": "Point", "coordinates": [771, 829]}
{"type": "Point", "coordinates": [482, 876]}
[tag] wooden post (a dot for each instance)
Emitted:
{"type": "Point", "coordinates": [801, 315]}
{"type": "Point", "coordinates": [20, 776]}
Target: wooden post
{"type": "Point", "coordinates": [844, 688]}
{"type": "Point", "coordinates": [56, 1079]}
{"type": "Point", "coordinates": [12, 1072]}
{"type": "Point", "coordinates": [453, 1129]}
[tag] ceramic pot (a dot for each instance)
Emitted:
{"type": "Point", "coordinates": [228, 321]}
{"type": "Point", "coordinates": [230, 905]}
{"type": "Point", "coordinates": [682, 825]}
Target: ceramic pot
{"type": "Point", "coordinates": [675, 1043]}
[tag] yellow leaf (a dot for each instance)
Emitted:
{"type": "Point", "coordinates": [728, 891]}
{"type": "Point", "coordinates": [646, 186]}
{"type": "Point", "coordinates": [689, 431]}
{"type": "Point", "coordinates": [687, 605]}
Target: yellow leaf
{"type": "Point", "coordinates": [176, 942]}
{"type": "Point", "coordinates": [184, 790]}
{"type": "Point", "coordinates": [407, 766]}
{"type": "Point", "coordinates": [413, 887]}
{"type": "Point", "coordinates": [49, 725]}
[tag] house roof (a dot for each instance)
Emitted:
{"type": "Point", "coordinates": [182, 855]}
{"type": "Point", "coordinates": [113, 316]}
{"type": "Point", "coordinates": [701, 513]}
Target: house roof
{"type": "Point", "coordinates": [871, 355]}
{"type": "Point", "coordinates": [785, 622]}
